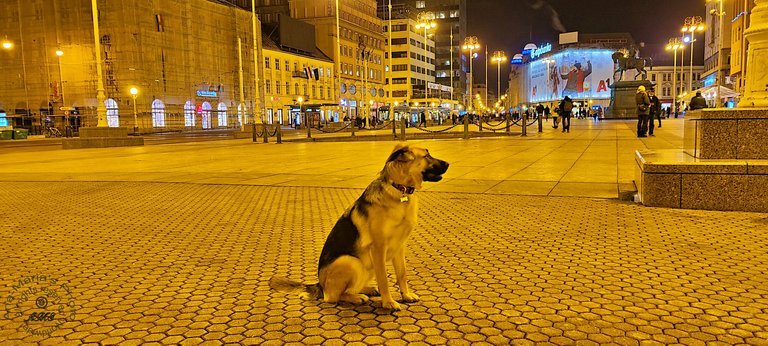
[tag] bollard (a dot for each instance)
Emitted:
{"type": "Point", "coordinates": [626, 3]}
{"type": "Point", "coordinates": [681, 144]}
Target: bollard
{"type": "Point", "coordinates": [254, 136]}
{"type": "Point", "coordinates": [279, 134]}
{"type": "Point", "coordinates": [540, 124]}
{"type": "Point", "coordinates": [524, 119]}
{"type": "Point", "coordinates": [480, 122]}
{"type": "Point", "coordinates": [309, 129]}
{"type": "Point", "coordinates": [394, 129]}
{"type": "Point", "coordinates": [266, 133]}
{"type": "Point", "coordinates": [402, 129]}
{"type": "Point", "coordinates": [466, 126]}
{"type": "Point", "coordinates": [506, 116]}
{"type": "Point", "coordinates": [353, 125]}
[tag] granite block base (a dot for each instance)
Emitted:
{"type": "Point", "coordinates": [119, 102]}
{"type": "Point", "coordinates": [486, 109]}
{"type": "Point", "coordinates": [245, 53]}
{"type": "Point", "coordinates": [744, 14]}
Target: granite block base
{"type": "Point", "coordinates": [101, 142]}
{"type": "Point", "coordinates": [674, 179]}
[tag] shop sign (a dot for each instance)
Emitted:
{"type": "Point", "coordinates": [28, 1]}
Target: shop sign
{"type": "Point", "coordinates": [545, 48]}
{"type": "Point", "coordinates": [206, 93]}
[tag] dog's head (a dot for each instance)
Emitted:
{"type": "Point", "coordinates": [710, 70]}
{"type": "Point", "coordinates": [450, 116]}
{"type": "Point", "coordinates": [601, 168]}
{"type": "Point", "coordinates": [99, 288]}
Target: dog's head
{"type": "Point", "coordinates": [413, 165]}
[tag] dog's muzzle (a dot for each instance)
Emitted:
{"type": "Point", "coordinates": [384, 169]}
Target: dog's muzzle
{"type": "Point", "coordinates": [435, 171]}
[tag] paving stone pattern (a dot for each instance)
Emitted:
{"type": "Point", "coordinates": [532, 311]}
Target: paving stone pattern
{"type": "Point", "coordinates": [174, 263]}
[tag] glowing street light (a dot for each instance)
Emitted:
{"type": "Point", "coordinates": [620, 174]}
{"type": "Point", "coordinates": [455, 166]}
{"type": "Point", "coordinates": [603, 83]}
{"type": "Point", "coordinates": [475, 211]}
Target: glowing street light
{"type": "Point", "coordinates": [674, 45]}
{"type": "Point", "coordinates": [471, 44]}
{"type": "Point", "coordinates": [7, 44]}
{"type": "Point", "coordinates": [498, 57]}
{"type": "Point", "coordinates": [691, 25]}
{"type": "Point", "coordinates": [134, 92]}
{"type": "Point", "coordinates": [426, 20]}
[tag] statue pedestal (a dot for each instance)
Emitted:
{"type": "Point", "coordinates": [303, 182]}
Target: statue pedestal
{"type": "Point", "coordinates": [723, 165]}
{"type": "Point", "coordinates": [102, 137]}
{"type": "Point", "coordinates": [623, 104]}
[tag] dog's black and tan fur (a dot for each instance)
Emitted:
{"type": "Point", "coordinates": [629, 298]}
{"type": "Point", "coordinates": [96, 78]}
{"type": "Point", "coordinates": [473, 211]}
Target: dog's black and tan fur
{"type": "Point", "coordinates": [372, 232]}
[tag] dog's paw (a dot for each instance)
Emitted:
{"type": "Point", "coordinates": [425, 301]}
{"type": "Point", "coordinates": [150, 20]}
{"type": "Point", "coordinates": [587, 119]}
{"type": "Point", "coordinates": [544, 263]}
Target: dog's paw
{"type": "Point", "coordinates": [391, 305]}
{"type": "Point", "coordinates": [410, 297]}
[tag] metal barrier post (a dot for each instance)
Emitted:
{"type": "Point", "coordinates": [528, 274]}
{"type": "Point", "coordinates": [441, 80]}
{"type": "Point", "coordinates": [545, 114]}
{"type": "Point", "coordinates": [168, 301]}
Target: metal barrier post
{"type": "Point", "coordinates": [466, 126]}
{"type": "Point", "coordinates": [394, 128]}
{"type": "Point", "coordinates": [506, 116]}
{"type": "Point", "coordinates": [266, 133]}
{"type": "Point", "coordinates": [254, 136]}
{"type": "Point", "coordinates": [524, 119]}
{"type": "Point", "coordinates": [353, 125]}
{"type": "Point", "coordinates": [480, 122]}
{"type": "Point", "coordinates": [309, 127]}
{"type": "Point", "coordinates": [402, 128]}
{"type": "Point", "coordinates": [279, 134]}
{"type": "Point", "coordinates": [540, 124]}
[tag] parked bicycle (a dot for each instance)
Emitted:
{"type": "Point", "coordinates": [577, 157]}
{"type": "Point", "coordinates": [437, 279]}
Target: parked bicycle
{"type": "Point", "coordinates": [52, 132]}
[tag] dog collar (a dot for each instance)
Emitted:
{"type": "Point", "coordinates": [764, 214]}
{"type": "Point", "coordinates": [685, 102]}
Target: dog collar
{"type": "Point", "coordinates": [406, 190]}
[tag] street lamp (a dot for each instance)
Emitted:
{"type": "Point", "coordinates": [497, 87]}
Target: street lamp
{"type": "Point", "coordinates": [718, 80]}
{"type": "Point", "coordinates": [674, 45]}
{"type": "Point", "coordinates": [470, 44]}
{"type": "Point", "coordinates": [426, 20]}
{"type": "Point", "coordinates": [7, 44]}
{"type": "Point", "coordinates": [300, 100]}
{"type": "Point", "coordinates": [691, 25]}
{"type": "Point", "coordinates": [60, 53]}
{"type": "Point", "coordinates": [134, 92]}
{"type": "Point", "coordinates": [498, 57]}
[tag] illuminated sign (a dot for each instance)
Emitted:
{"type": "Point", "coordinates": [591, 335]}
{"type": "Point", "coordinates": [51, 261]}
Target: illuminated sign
{"type": "Point", "coordinates": [205, 93]}
{"type": "Point", "coordinates": [545, 48]}
{"type": "Point", "coordinates": [578, 73]}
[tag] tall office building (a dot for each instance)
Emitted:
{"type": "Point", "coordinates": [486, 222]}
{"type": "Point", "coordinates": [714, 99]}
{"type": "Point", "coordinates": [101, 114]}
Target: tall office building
{"type": "Point", "coordinates": [451, 18]}
{"type": "Point", "coordinates": [717, 44]}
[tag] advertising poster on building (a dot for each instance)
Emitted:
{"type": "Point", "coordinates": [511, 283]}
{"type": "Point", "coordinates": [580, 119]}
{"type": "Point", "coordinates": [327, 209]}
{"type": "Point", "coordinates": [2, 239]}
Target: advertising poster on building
{"type": "Point", "coordinates": [579, 73]}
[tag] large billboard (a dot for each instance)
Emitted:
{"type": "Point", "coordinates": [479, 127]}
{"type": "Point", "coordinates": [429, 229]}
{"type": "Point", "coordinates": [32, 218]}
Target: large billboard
{"type": "Point", "coordinates": [578, 73]}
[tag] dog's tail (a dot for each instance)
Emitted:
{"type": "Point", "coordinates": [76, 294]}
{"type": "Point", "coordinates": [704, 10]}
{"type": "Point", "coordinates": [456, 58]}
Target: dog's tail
{"type": "Point", "coordinates": [306, 291]}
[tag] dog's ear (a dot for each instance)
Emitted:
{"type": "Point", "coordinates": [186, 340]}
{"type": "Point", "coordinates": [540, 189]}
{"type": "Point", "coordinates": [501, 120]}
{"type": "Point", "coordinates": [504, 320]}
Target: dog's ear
{"type": "Point", "coordinates": [401, 153]}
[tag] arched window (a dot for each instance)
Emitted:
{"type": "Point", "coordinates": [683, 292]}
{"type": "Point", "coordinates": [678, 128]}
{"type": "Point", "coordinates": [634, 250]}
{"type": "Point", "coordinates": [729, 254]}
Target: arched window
{"type": "Point", "coordinates": [113, 118]}
{"type": "Point", "coordinates": [305, 90]}
{"type": "Point", "coordinates": [287, 88]}
{"type": "Point", "coordinates": [158, 113]}
{"type": "Point", "coordinates": [206, 115]}
{"type": "Point", "coordinates": [222, 114]}
{"type": "Point", "coordinates": [189, 114]}
{"type": "Point", "coordinates": [296, 88]}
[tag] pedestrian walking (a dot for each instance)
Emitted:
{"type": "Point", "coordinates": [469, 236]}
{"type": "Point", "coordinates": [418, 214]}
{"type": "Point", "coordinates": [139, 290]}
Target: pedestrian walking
{"type": "Point", "coordinates": [539, 110]}
{"type": "Point", "coordinates": [546, 113]}
{"type": "Point", "coordinates": [566, 110]}
{"type": "Point", "coordinates": [555, 117]}
{"type": "Point", "coordinates": [643, 111]}
{"type": "Point", "coordinates": [655, 111]}
{"type": "Point", "coordinates": [422, 119]}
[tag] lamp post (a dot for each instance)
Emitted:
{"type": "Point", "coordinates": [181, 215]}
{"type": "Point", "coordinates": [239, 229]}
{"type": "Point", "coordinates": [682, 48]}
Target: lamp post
{"type": "Point", "coordinates": [135, 92]}
{"type": "Point", "coordinates": [718, 80]}
{"type": "Point", "coordinates": [691, 25]}
{"type": "Point", "coordinates": [59, 54]}
{"type": "Point", "coordinates": [7, 44]}
{"type": "Point", "coordinates": [470, 44]}
{"type": "Point", "coordinates": [101, 109]}
{"type": "Point", "coordinates": [389, 70]}
{"type": "Point", "coordinates": [426, 20]}
{"type": "Point", "coordinates": [498, 58]}
{"type": "Point", "coordinates": [674, 45]}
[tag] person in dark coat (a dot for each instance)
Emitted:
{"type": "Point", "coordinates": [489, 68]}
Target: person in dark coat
{"type": "Point", "coordinates": [643, 111]}
{"type": "Point", "coordinates": [698, 101]}
{"type": "Point", "coordinates": [566, 110]}
{"type": "Point", "coordinates": [540, 110]}
{"type": "Point", "coordinates": [422, 119]}
{"type": "Point", "coordinates": [655, 111]}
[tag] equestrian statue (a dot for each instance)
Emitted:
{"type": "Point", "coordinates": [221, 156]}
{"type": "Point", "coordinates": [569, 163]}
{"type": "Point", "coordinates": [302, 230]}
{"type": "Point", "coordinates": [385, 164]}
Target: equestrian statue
{"type": "Point", "coordinates": [624, 62]}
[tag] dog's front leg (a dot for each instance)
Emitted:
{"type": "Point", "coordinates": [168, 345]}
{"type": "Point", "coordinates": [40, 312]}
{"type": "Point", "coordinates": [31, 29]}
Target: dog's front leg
{"type": "Point", "coordinates": [379, 267]}
{"type": "Point", "coordinates": [399, 263]}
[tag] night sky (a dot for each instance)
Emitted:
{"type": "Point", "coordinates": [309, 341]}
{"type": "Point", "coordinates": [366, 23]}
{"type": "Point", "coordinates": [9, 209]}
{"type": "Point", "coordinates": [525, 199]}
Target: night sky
{"type": "Point", "coordinates": [509, 24]}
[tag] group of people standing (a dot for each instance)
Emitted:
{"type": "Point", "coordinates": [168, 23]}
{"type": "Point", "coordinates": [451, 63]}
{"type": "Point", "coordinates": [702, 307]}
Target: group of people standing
{"type": "Point", "coordinates": [648, 109]}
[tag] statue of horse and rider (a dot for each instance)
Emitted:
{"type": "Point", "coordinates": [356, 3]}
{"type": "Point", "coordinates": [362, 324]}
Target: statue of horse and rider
{"type": "Point", "coordinates": [630, 61]}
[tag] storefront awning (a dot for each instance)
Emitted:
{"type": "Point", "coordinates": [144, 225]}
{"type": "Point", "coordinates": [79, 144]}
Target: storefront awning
{"type": "Point", "coordinates": [710, 92]}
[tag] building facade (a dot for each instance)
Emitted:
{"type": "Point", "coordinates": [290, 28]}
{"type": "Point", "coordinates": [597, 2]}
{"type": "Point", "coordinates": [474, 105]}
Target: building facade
{"type": "Point", "coordinates": [717, 46]}
{"type": "Point", "coordinates": [451, 18]}
{"type": "Point", "coordinates": [296, 81]}
{"type": "Point", "coordinates": [360, 55]}
{"type": "Point", "coordinates": [184, 58]}
{"type": "Point", "coordinates": [413, 64]}
{"type": "Point", "coordinates": [738, 15]}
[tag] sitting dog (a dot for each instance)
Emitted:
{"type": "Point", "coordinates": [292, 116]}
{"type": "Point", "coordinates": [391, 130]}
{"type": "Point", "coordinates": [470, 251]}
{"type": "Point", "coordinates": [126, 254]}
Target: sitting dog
{"type": "Point", "coordinates": [372, 232]}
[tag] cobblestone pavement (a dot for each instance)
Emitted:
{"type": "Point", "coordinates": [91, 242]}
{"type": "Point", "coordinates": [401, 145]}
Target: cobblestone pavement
{"type": "Point", "coordinates": [188, 263]}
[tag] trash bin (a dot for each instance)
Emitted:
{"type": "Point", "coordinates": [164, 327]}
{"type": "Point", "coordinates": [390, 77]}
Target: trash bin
{"type": "Point", "coordinates": [6, 134]}
{"type": "Point", "coordinates": [20, 133]}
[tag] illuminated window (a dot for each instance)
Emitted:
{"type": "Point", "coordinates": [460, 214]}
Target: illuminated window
{"type": "Point", "coordinates": [421, 4]}
{"type": "Point", "coordinates": [222, 114]}
{"type": "Point", "coordinates": [189, 114]}
{"type": "Point", "coordinates": [158, 113]}
{"type": "Point", "coordinates": [113, 119]}
{"type": "Point", "coordinates": [206, 115]}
